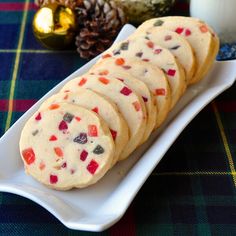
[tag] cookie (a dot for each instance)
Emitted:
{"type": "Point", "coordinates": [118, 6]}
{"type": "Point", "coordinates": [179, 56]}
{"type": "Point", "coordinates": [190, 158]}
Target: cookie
{"type": "Point", "coordinates": [152, 76]}
{"type": "Point", "coordinates": [177, 44]}
{"type": "Point", "coordinates": [145, 50]}
{"type": "Point", "coordinates": [197, 33]}
{"type": "Point", "coordinates": [128, 102]}
{"type": "Point", "coordinates": [102, 106]}
{"type": "Point", "coordinates": [138, 87]}
{"type": "Point", "coordinates": [66, 146]}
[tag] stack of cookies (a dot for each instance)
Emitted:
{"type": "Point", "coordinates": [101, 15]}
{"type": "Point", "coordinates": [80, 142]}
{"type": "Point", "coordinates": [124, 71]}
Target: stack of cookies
{"type": "Point", "coordinates": [101, 117]}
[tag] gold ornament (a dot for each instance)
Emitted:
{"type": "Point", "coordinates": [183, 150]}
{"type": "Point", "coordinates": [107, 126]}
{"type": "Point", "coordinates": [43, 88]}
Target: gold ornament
{"type": "Point", "coordinates": [54, 26]}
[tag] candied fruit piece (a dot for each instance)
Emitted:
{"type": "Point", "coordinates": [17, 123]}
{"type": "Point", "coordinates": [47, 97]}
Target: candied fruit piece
{"type": "Point", "coordinates": [137, 106]}
{"type": "Point", "coordinates": [150, 44]}
{"type": "Point", "coordinates": [54, 106]}
{"type": "Point", "coordinates": [126, 91]}
{"type": "Point", "coordinates": [68, 117]}
{"type": "Point", "coordinates": [58, 151]}
{"type": "Point", "coordinates": [63, 125]}
{"type": "Point", "coordinates": [53, 138]}
{"type": "Point", "coordinates": [203, 28]}
{"type": "Point", "coordinates": [160, 92]}
{"type": "Point", "coordinates": [171, 72]}
{"type": "Point", "coordinates": [53, 179]}
{"type": "Point", "coordinates": [106, 55]}
{"type": "Point", "coordinates": [120, 61]}
{"type": "Point", "coordinates": [95, 109]}
{"type": "Point", "coordinates": [188, 32]}
{"type": "Point", "coordinates": [98, 150]}
{"type": "Point", "coordinates": [104, 80]}
{"type": "Point", "coordinates": [92, 166]}
{"type": "Point", "coordinates": [113, 134]}
{"type": "Point", "coordinates": [92, 131]}
{"type": "Point", "coordinates": [28, 155]}
{"type": "Point", "coordinates": [38, 117]}
{"type": "Point", "coordinates": [82, 82]}
{"type": "Point", "coordinates": [81, 138]}
{"type": "Point", "coordinates": [179, 30]}
{"type": "Point", "coordinates": [157, 51]}
{"type": "Point", "coordinates": [83, 155]}
{"type": "Point", "coordinates": [158, 23]}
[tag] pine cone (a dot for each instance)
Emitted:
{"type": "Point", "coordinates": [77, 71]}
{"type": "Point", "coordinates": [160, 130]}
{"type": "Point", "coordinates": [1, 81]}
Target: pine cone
{"type": "Point", "coordinates": [68, 3]}
{"type": "Point", "coordinates": [99, 21]}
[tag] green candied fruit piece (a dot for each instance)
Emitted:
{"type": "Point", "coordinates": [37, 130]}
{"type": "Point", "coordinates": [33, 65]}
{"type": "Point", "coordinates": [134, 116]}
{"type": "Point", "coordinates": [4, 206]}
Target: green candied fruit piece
{"type": "Point", "coordinates": [159, 23]}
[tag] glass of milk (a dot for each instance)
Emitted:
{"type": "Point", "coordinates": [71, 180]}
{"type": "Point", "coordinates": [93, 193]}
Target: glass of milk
{"type": "Point", "coordinates": [220, 14]}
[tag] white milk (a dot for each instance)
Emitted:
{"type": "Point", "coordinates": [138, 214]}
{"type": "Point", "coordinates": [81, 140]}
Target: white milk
{"type": "Point", "coordinates": [220, 14]}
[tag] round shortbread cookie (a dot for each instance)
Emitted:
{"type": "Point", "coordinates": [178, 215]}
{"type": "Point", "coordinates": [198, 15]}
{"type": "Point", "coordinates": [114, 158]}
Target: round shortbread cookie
{"type": "Point", "coordinates": [66, 146]}
{"type": "Point", "coordinates": [102, 106]}
{"type": "Point", "coordinates": [128, 102]}
{"type": "Point", "coordinates": [152, 76]}
{"type": "Point", "coordinates": [197, 34]}
{"type": "Point", "coordinates": [138, 87]}
{"type": "Point", "coordinates": [145, 50]}
{"type": "Point", "coordinates": [177, 44]}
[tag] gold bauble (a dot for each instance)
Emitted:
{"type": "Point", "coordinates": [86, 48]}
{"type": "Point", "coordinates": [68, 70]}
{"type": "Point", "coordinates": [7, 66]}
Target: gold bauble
{"type": "Point", "coordinates": [54, 26]}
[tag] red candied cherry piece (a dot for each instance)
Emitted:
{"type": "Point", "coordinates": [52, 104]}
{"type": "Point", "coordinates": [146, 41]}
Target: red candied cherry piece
{"type": "Point", "coordinates": [104, 80]}
{"type": "Point", "coordinates": [38, 117]}
{"type": "Point", "coordinates": [150, 44]}
{"type": "Point", "coordinates": [83, 155]}
{"type": "Point", "coordinates": [53, 138]}
{"type": "Point", "coordinates": [120, 61]}
{"type": "Point", "coordinates": [28, 155]}
{"type": "Point", "coordinates": [92, 131]}
{"type": "Point", "coordinates": [179, 30]}
{"type": "Point", "coordinates": [137, 106]}
{"type": "Point", "coordinates": [188, 32]}
{"type": "Point", "coordinates": [95, 109]}
{"type": "Point", "coordinates": [157, 51]}
{"type": "Point", "coordinates": [58, 151]}
{"type": "Point", "coordinates": [160, 92]}
{"type": "Point", "coordinates": [126, 91]}
{"type": "Point", "coordinates": [63, 125]}
{"type": "Point", "coordinates": [113, 134]}
{"type": "Point", "coordinates": [82, 81]}
{"type": "Point", "coordinates": [53, 179]}
{"type": "Point", "coordinates": [92, 166]}
{"type": "Point", "coordinates": [146, 60]}
{"type": "Point", "coordinates": [171, 72]}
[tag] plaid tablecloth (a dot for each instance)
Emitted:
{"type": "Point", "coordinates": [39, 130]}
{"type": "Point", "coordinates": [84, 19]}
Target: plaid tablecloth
{"type": "Point", "coordinates": [191, 192]}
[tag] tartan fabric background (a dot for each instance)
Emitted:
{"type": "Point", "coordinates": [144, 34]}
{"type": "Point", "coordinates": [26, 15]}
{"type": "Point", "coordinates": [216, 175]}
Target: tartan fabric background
{"type": "Point", "coordinates": [191, 192]}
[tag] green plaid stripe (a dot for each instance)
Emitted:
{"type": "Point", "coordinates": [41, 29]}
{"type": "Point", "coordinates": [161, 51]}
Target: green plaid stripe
{"type": "Point", "coordinates": [192, 190]}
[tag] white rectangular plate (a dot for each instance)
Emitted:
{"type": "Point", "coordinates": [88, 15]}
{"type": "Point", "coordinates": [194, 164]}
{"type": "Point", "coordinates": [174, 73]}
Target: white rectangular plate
{"type": "Point", "coordinates": [98, 207]}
